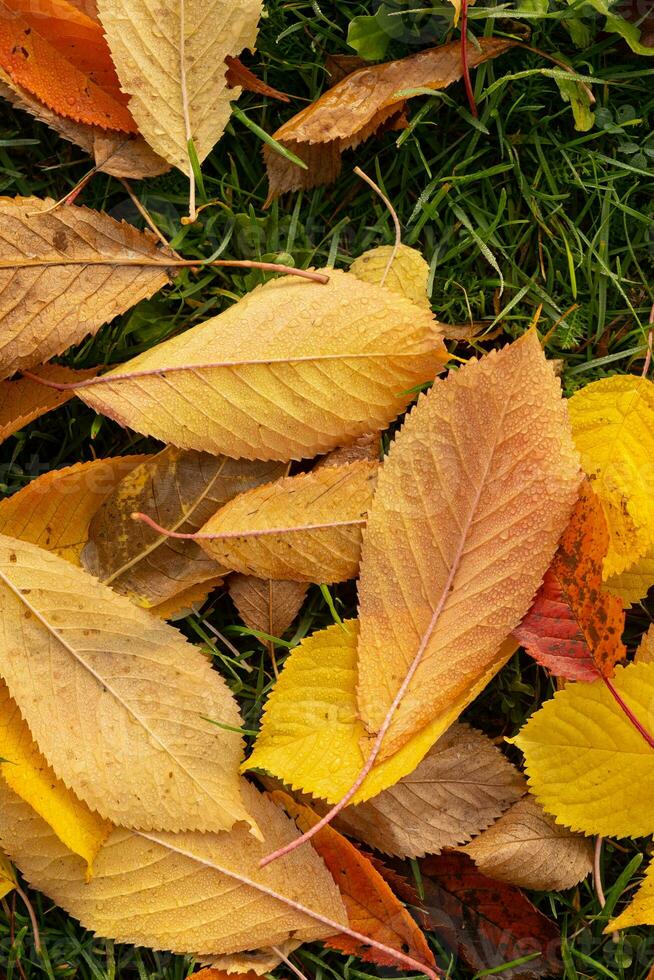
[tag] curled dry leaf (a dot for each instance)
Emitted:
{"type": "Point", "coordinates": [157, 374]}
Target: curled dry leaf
{"type": "Point", "coordinates": [574, 628]}
{"type": "Point", "coordinates": [302, 368]}
{"type": "Point", "coordinates": [613, 426]}
{"type": "Point", "coordinates": [357, 107]}
{"type": "Point", "coordinates": [23, 401]}
{"type": "Point", "coordinates": [54, 510]}
{"type": "Point", "coordinates": [57, 280]}
{"type": "Point", "coordinates": [470, 504]}
{"type": "Point", "coordinates": [528, 849]}
{"type": "Point", "coordinates": [401, 269]}
{"type": "Point", "coordinates": [139, 758]}
{"type": "Point", "coordinates": [198, 892]}
{"type": "Point", "coordinates": [184, 489]}
{"type": "Point", "coordinates": [267, 605]}
{"type": "Point", "coordinates": [305, 528]}
{"type": "Point", "coordinates": [59, 55]}
{"type": "Point", "coordinates": [584, 756]}
{"type": "Point", "coordinates": [171, 61]}
{"type": "Point", "coordinates": [371, 906]}
{"type": "Point", "coordinates": [486, 922]}
{"type": "Point", "coordinates": [238, 76]}
{"type": "Point", "coordinates": [28, 774]}
{"type": "Point", "coordinates": [311, 736]}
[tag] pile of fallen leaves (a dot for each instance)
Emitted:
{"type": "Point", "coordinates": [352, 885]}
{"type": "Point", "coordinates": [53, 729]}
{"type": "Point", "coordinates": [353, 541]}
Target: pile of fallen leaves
{"type": "Point", "coordinates": [502, 516]}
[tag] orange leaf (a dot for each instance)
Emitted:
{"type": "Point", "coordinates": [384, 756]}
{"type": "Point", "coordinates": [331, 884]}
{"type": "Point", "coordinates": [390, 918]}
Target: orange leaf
{"type": "Point", "coordinates": [372, 908]}
{"type": "Point", "coordinates": [58, 54]}
{"type": "Point", "coordinates": [23, 401]}
{"type": "Point", "coordinates": [574, 628]}
{"type": "Point", "coordinates": [239, 75]}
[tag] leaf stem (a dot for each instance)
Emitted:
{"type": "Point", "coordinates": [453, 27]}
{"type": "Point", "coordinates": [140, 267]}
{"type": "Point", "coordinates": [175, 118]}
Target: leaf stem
{"type": "Point", "coordinates": [464, 60]}
{"type": "Point", "coordinates": [164, 264]}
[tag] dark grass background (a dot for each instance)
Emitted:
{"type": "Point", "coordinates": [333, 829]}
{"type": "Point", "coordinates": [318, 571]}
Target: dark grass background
{"type": "Point", "coordinates": [562, 219]}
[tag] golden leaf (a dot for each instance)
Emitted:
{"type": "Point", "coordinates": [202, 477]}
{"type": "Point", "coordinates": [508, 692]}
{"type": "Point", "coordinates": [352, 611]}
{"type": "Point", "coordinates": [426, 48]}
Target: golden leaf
{"type": "Point", "coordinates": [171, 61]}
{"type": "Point", "coordinates": [23, 401]}
{"type": "Point", "coordinates": [297, 368]}
{"type": "Point", "coordinates": [471, 502]}
{"type": "Point", "coordinates": [118, 703]}
{"type": "Point", "coordinates": [7, 876]}
{"type": "Point", "coordinates": [184, 489]}
{"type": "Point", "coordinates": [305, 528]}
{"type": "Point", "coordinates": [640, 911]}
{"type": "Point", "coordinates": [54, 510]}
{"type": "Point", "coordinates": [407, 273]}
{"type": "Point", "coordinates": [525, 847]}
{"type": "Point", "coordinates": [56, 279]}
{"type": "Point", "coordinates": [30, 777]}
{"type": "Point", "coordinates": [190, 892]}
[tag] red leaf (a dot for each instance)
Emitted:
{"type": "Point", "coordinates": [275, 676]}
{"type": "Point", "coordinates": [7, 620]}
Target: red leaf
{"type": "Point", "coordinates": [574, 628]}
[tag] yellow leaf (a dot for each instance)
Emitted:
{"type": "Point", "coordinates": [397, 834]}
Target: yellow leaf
{"type": "Point", "coordinates": [311, 737]}
{"type": "Point", "coordinates": [120, 705]}
{"type": "Point", "coordinates": [183, 490]}
{"type": "Point", "coordinates": [407, 274]}
{"type": "Point", "coordinates": [470, 504]}
{"type": "Point", "coordinates": [304, 528]}
{"type": "Point", "coordinates": [300, 368]}
{"type": "Point", "coordinates": [54, 511]}
{"type": "Point", "coordinates": [7, 876]}
{"type": "Point", "coordinates": [180, 892]}
{"type": "Point", "coordinates": [30, 777]}
{"type": "Point", "coordinates": [53, 292]}
{"type": "Point", "coordinates": [613, 427]}
{"type": "Point", "coordinates": [640, 911]}
{"type": "Point", "coordinates": [584, 758]}
{"type": "Point", "coordinates": [23, 401]}
{"type": "Point", "coordinates": [634, 583]}
{"type": "Point", "coordinates": [171, 60]}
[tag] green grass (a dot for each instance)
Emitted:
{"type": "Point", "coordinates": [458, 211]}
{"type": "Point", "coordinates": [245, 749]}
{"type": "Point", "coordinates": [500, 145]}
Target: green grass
{"type": "Point", "coordinates": [513, 212]}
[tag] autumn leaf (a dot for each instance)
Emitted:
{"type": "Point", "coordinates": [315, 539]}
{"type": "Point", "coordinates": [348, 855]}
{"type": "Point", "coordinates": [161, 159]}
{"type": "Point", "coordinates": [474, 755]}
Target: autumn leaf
{"type": "Point", "coordinates": [488, 923]}
{"type": "Point", "coordinates": [640, 911]}
{"type": "Point", "coordinates": [187, 602]}
{"type": "Point", "coordinates": [302, 368]}
{"type": "Point", "coordinates": [137, 757]}
{"type": "Point", "coordinates": [7, 876]}
{"type": "Point", "coordinates": [311, 736]}
{"type": "Point", "coordinates": [201, 893]}
{"type": "Point", "coordinates": [360, 105]}
{"type": "Point", "coordinates": [525, 847]}
{"type": "Point", "coordinates": [239, 76]}
{"type": "Point", "coordinates": [54, 510]}
{"type": "Point", "coordinates": [171, 62]}
{"type": "Point", "coordinates": [23, 401]}
{"type": "Point", "coordinates": [57, 280]}
{"type": "Point", "coordinates": [305, 528]}
{"type": "Point", "coordinates": [184, 489]}
{"type": "Point", "coordinates": [58, 54]}
{"type": "Point", "coordinates": [471, 501]}
{"type": "Point", "coordinates": [613, 426]}
{"type": "Point", "coordinates": [585, 759]}
{"type": "Point", "coordinates": [28, 774]}
{"type": "Point", "coordinates": [634, 583]}
{"type": "Point", "coordinates": [574, 628]}
{"type": "Point", "coordinates": [371, 906]}
{"type": "Point", "coordinates": [266, 605]}
{"type": "Point", "coordinates": [645, 652]}
{"type": "Point", "coordinates": [401, 269]}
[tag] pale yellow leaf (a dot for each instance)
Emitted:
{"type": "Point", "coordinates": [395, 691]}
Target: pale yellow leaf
{"type": "Point", "coordinates": [54, 510]}
{"type": "Point", "coordinates": [267, 605]}
{"type": "Point", "coordinates": [170, 59]}
{"type": "Point", "coordinates": [588, 765]}
{"type": "Point", "coordinates": [53, 291]}
{"type": "Point", "coordinates": [298, 368]}
{"type": "Point", "coordinates": [120, 705]}
{"type": "Point", "coordinates": [407, 273]}
{"type": "Point", "coordinates": [183, 490]}
{"type": "Point", "coordinates": [471, 502]}
{"type": "Point", "coordinates": [311, 737]}
{"type": "Point", "coordinates": [30, 777]}
{"type": "Point", "coordinates": [525, 847]}
{"type": "Point", "coordinates": [24, 400]}
{"type": "Point", "coordinates": [178, 891]}
{"type": "Point", "coordinates": [613, 426]}
{"type": "Point", "coordinates": [640, 911]}
{"type": "Point", "coordinates": [305, 528]}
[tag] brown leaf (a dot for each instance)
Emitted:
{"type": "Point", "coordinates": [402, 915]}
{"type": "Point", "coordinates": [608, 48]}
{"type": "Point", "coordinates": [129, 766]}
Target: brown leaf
{"type": "Point", "coordinates": [462, 785]}
{"type": "Point", "coordinates": [488, 923]}
{"type": "Point", "coordinates": [184, 489]}
{"type": "Point", "coordinates": [53, 292]}
{"type": "Point", "coordinates": [645, 651]}
{"type": "Point", "coordinates": [54, 510]}
{"type": "Point", "coordinates": [372, 908]}
{"type": "Point", "coordinates": [267, 605]}
{"type": "Point", "coordinates": [357, 107]}
{"type": "Point", "coordinates": [23, 401]}
{"type": "Point", "coordinates": [240, 76]}
{"type": "Point", "coordinates": [528, 849]}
